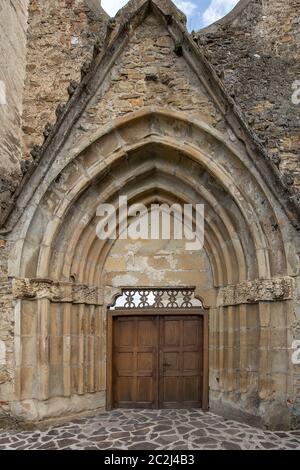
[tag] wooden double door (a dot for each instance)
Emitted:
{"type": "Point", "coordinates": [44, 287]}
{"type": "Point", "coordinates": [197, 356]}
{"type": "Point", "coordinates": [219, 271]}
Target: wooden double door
{"type": "Point", "coordinates": [158, 361]}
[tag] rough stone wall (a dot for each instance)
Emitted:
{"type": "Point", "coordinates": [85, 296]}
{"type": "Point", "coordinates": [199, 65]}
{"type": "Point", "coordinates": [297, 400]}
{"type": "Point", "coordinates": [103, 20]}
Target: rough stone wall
{"type": "Point", "coordinates": [61, 35]}
{"type": "Point", "coordinates": [13, 21]}
{"type": "Point", "coordinates": [148, 73]}
{"type": "Point", "coordinates": [257, 53]}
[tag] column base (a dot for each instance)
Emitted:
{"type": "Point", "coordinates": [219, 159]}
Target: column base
{"type": "Point", "coordinates": [59, 407]}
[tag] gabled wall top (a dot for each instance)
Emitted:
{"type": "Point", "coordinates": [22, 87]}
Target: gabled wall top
{"type": "Point", "coordinates": [166, 6]}
{"type": "Point", "coordinates": [95, 74]}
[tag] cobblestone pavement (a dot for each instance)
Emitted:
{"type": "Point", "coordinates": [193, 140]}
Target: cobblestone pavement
{"type": "Point", "coordinates": [149, 430]}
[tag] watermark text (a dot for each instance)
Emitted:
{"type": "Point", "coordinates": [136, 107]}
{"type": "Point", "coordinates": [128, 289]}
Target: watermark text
{"type": "Point", "coordinates": [159, 222]}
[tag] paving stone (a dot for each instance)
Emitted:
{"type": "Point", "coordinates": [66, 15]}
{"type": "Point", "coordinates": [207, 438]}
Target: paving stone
{"type": "Point", "coordinates": [140, 432]}
{"type": "Point", "coordinates": [102, 446]}
{"type": "Point", "coordinates": [166, 439]}
{"type": "Point", "coordinates": [47, 446]}
{"type": "Point", "coordinates": [16, 445]}
{"type": "Point", "coordinates": [204, 440]}
{"type": "Point", "coordinates": [230, 446]}
{"type": "Point", "coordinates": [199, 433]}
{"type": "Point", "coordinates": [160, 428]}
{"type": "Point", "coordinates": [144, 446]}
{"type": "Point", "coordinates": [5, 440]}
{"type": "Point", "coordinates": [233, 431]}
{"type": "Point", "coordinates": [97, 438]}
{"type": "Point", "coordinates": [281, 434]}
{"type": "Point", "coordinates": [183, 429]}
{"type": "Point", "coordinates": [268, 445]}
{"type": "Point", "coordinates": [66, 442]}
{"type": "Point", "coordinates": [292, 446]}
{"type": "Point", "coordinates": [66, 435]}
{"type": "Point", "coordinates": [117, 435]}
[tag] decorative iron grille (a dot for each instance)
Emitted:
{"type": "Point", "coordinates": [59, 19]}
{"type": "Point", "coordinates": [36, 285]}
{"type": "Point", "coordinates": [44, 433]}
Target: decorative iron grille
{"type": "Point", "coordinates": [161, 297]}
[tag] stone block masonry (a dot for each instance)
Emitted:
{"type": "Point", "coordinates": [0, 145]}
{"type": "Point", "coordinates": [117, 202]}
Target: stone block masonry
{"type": "Point", "coordinates": [13, 20]}
{"type": "Point", "coordinates": [60, 39]}
{"type": "Point", "coordinates": [256, 52]}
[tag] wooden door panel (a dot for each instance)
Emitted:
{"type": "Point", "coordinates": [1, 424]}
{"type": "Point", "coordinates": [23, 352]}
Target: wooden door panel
{"type": "Point", "coordinates": [134, 359]}
{"type": "Point", "coordinates": [191, 389]}
{"type": "Point", "coordinates": [125, 333]}
{"type": "Point", "coordinates": [145, 391]}
{"type": "Point", "coordinates": [171, 333]}
{"type": "Point", "coordinates": [171, 363]}
{"type": "Point", "coordinates": [191, 362]}
{"type": "Point", "coordinates": [181, 362]}
{"type": "Point", "coordinates": [124, 362]}
{"type": "Point", "coordinates": [145, 362]}
{"type": "Point", "coordinates": [147, 332]}
{"type": "Point", "coordinates": [158, 362]}
{"type": "Point", "coordinates": [124, 391]}
{"type": "Point", "coordinates": [170, 390]}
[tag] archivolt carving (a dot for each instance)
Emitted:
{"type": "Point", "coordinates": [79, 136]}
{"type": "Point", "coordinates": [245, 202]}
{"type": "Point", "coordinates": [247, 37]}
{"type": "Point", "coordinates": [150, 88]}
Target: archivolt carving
{"type": "Point", "coordinates": [207, 169]}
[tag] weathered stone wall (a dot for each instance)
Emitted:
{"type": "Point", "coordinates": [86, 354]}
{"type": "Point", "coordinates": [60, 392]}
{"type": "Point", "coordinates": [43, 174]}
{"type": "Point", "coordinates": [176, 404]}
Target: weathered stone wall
{"type": "Point", "coordinates": [61, 35]}
{"type": "Point", "coordinates": [148, 73]}
{"type": "Point", "coordinates": [13, 20]}
{"type": "Point", "coordinates": [250, 364]}
{"type": "Point", "coordinates": [294, 337]}
{"type": "Point", "coordinates": [256, 52]}
{"type": "Point", "coordinates": [7, 356]}
{"type": "Point", "coordinates": [156, 263]}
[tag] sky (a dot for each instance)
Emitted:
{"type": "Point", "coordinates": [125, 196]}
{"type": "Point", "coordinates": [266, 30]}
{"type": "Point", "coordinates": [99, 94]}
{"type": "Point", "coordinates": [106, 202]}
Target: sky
{"type": "Point", "coordinates": [200, 13]}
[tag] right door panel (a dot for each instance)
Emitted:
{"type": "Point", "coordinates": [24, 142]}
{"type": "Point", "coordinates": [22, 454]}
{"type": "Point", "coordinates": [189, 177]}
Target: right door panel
{"type": "Point", "coordinates": [180, 362]}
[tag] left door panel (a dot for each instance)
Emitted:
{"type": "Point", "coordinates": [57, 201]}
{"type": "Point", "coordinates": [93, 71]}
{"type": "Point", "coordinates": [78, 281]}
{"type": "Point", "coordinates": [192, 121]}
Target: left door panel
{"type": "Point", "coordinates": [135, 356]}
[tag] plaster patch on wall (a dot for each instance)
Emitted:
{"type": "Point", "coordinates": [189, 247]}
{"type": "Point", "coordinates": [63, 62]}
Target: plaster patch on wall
{"type": "Point", "coordinates": [74, 41]}
{"type": "Point", "coordinates": [296, 353]}
{"type": "Point", "coordinates": [125, 280]}
{"type": "Point", "coordinates": [2, 353]}
{"type": "Point", "coordinates": [2, 93]}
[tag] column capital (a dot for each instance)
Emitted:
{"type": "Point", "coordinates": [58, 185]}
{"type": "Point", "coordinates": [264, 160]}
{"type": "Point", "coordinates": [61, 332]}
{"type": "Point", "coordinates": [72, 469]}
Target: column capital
{"type": "Point", "coordinates": [57, 291]}
{"type": "Point", "coordinates": [258, 290]}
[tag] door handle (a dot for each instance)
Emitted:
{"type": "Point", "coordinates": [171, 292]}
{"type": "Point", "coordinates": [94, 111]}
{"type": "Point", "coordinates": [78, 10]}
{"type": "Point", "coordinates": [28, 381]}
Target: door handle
{"type": "Point", "coordinates": [166, 365]}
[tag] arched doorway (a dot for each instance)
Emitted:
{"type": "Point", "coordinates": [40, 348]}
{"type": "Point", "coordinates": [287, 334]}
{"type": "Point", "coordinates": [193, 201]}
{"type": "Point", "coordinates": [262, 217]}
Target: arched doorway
{"type": "Point", "coordinates": [62, 292]}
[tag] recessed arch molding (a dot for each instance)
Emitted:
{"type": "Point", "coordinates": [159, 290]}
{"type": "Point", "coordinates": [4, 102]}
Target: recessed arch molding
{"type": "Point", "coordinates": [63, 275]}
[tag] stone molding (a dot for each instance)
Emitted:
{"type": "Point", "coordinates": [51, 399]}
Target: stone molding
{"type": "Point", "coordinates": [55, 291]}
{"type": "Point", "coordinates": [259, 290]}
{"type": "Point", "coordinates": [247, 292]}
